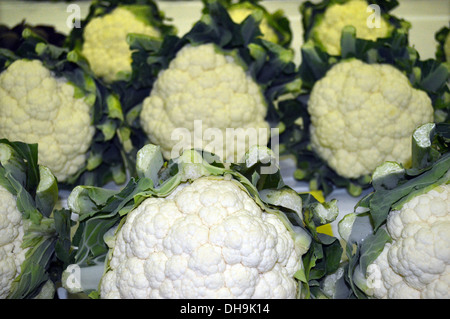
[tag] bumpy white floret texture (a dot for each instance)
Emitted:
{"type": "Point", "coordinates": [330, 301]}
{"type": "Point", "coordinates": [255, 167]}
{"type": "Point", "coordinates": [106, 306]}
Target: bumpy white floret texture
{"type": "Point", "coordinates": [11, 236]}
{"type": "Point", "coordinates": [202, 94]}
{"type": "Point", "coordinates": [363, 115]}
{"type": "Point", "coordinates": [208, 239]}
{"type": "Point", "coordinates": [37, 107]}
{"type": "Point", "coordinates": [354, 13]}
{"type": "Point", "coordinates": [105, 45]}
{"type": "Point", "coordinates": [417, 263]}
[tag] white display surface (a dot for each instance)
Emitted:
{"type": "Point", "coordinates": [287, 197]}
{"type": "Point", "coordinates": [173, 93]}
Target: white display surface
{"type": "Point", "coordinates": [426, 17]}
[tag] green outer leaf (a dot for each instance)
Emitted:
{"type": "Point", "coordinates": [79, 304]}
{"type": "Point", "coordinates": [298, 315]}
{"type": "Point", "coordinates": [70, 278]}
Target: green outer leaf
{"type": "Point", "coordinates": [371, 248]}
{"type": "Point", "coordinates": [440, 37]}
{"type": "Point", "coordinates": [63, 224]}
{"type": "Point", "coordinates": [46, 192]}
{"type": "Point", "coordinates": [37, 261]}
{"type": "Point", "coordinates": [20, 175]}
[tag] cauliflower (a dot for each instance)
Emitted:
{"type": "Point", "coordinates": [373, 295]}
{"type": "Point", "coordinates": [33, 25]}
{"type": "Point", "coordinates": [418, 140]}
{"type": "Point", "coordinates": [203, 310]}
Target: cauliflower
{"type": "Point", "coordinates": [204, 84]}
{"type": "Point", "coordinates": [364, 114]}
{"type": "Point", "coordinates": [240, 13]}
{"type": "Point", "coordinates": [359, 109]}
{"type": "Point", "coordinates": [12, 254]}
{"type": "Point", "coordinates": [398, 238]}
{"type": "Point", "coordinates": [105, 45]}
{"type": "Point", "coordinates": [37, 107]}
{"type": "Point", "coordinates": [49, 96]}
{"type": "Point", "coordinates": [354, 12]}
{"type": "Point", "coordinates": [190, 229]}
{"type": "Point", "coordinates": [273, 26]}
{"type": "Point", "coordinates": [29, 235]}
{"type": "Point", "coordinates": [417, 262]}
{"type": "Point", "coordinates": [208, 239]}
{"type": "Point", "coordinates": [215, 88]}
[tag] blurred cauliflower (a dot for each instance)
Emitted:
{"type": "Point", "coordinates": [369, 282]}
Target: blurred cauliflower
{"type": "Point", "coordinates": [355, 13]}
{"type": "Point", "coordinates": [105, 45]}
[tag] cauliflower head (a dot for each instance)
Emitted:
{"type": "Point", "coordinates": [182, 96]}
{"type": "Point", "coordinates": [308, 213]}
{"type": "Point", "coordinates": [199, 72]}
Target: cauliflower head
{"type": "Point", "coordinates": [208, 239]}
{"type": "Point", "coordinates": [417, 262]}
{"type": "Point", "coordinates": [364, 114]}
{"type": "Point", "coordinates": [240, 13]}
{"type": "Point", "coordinates": [11, 237]}
{"type": "Point", "coordinates": [203, 84]}
{"type": "Point", "coordinates": [105, 45]}
{"type": "Point", "coordinates": [355, 13]}
{"type": "Point", "coordinates": [37, 107]}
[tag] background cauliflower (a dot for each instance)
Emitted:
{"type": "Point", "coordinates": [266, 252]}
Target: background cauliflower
{"type": "Point", "coordinates": [207, 240]}
{"type": "Point", "coordinates": [364, 114]}
{"type": "Point", "coordinates": [210, 77]}
{"type": "Point", "coordinates": [49, 96]}
{"type": "Point", "coordinates": [337, 16]}
{"type": "Point", "coordinates": [323, 22]}
{"type": "Point", "coordinates": [204, 84]}
{"type": "Point", "coordinates": [38, 107]}
{"type": "Point", "coordinates": [102, 37]}
{"type": "Point", "coordinates": [274, 26]}
{"type": "Point", "coordinates": [359, 109]}
{"type": "Point", "coordinates": [239, 14]}
{"type": "Point", "coordinates": [105, 45]}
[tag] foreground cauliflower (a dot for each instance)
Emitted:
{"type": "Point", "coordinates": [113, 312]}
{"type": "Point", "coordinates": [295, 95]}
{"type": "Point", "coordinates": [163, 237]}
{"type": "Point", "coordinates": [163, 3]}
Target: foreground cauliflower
{"type": "Point", "coordinates": [364, 114]}
{"type": "Point", "coordinates": [354, 13]}
{"type": "Point", "coordinates": [11, 238]}
{"type": "Point", "coordinates": [203, 84]}
{"type": "Point", "coordinates": [417, 263]}
{"type": "Point", "coordinates": [30, 227]}
{"type": "Point", "coordinates": [37, 107]}
{"type": "Point", "coordinates": [208, 239]}
{"type": "Point", "coordinates": [105, 45]}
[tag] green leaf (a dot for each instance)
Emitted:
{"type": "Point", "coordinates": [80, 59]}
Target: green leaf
{"type": "Point", "coordinates": [46, 192]}
{"type": "Point", "coordinates": [372, 246]}
{"type": "Point", "coordinates": [33, 270]}
{"type": "Point", "coordinates": [382, 201]}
